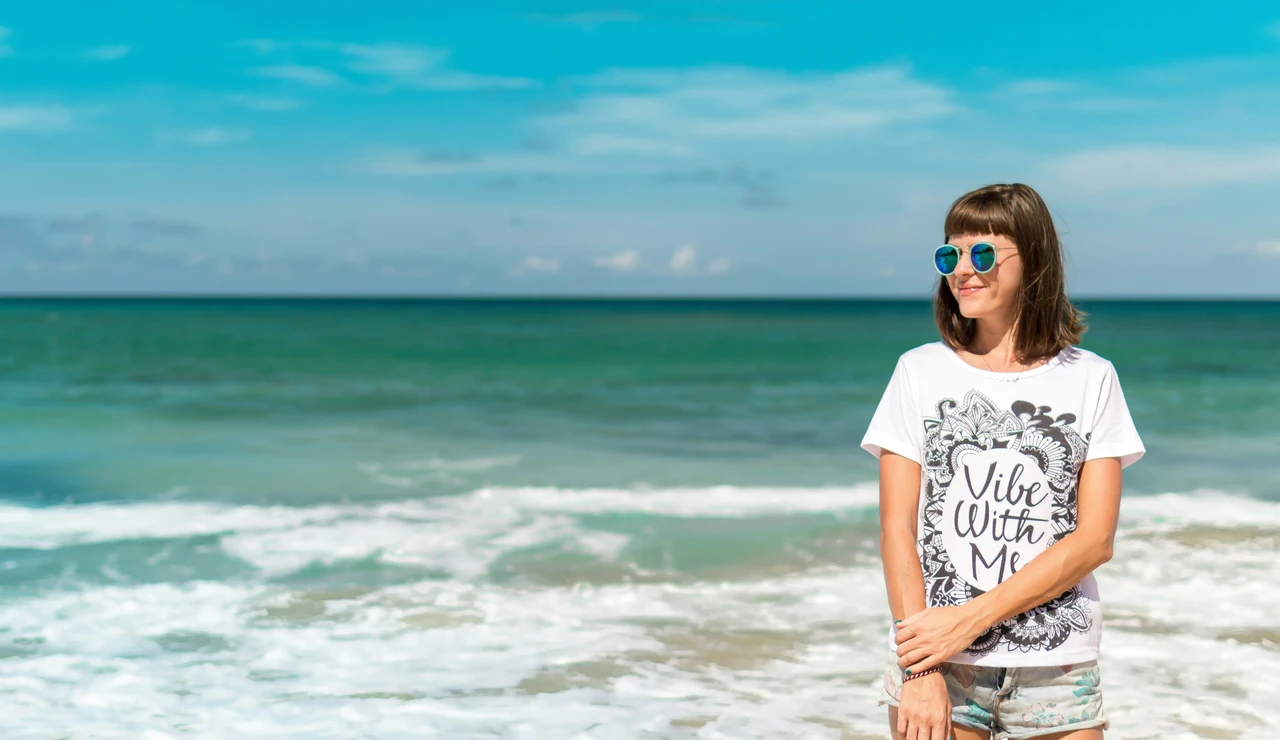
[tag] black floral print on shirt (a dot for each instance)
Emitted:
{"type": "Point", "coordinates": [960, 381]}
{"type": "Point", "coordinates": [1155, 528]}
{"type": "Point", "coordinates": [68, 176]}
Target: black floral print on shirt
{"type": "Point", "coordinates": [977, 424]}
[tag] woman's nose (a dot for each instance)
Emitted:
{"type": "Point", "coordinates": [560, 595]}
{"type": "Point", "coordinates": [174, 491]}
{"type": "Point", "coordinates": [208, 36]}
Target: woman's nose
{"type": "Point", "coordinates": [964, 267]}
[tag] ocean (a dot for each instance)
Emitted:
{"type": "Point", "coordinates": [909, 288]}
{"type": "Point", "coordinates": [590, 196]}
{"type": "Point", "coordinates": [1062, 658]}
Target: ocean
{"type": "Point", "coordinates": [562, 518]}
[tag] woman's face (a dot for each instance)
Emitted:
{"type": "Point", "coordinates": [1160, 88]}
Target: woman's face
{"type": "Point", "coordinates": [992, 294]}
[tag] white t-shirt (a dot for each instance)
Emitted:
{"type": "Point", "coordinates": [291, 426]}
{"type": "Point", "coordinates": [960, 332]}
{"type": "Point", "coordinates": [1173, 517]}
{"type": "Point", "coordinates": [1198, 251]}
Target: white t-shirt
{"type": "Point", "coordinates": [1000, 454]}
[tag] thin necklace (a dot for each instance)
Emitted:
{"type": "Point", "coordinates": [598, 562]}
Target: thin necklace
{"type": "Point", "coordinates": [1001, 376]}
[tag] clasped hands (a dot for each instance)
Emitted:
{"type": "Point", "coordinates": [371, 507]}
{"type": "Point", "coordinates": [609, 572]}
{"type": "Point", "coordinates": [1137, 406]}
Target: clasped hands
{"type": "Point", "coordinates": [930, 637]}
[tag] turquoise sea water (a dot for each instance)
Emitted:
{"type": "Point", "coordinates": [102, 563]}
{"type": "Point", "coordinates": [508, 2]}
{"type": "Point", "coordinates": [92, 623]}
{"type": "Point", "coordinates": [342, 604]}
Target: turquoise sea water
{"type": "Point", "coordinates": [558, 518]}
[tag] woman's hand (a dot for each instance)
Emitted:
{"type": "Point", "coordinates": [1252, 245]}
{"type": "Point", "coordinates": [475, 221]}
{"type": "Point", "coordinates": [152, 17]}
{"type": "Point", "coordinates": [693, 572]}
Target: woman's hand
{"type": "Point", "coordinates": [932, 636]}
{"type": "Point", "coordinates": [924, 711]}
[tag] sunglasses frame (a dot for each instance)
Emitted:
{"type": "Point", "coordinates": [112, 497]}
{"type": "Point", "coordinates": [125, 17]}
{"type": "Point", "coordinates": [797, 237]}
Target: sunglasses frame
{"type": "Point", "coordinates": [969, 251]}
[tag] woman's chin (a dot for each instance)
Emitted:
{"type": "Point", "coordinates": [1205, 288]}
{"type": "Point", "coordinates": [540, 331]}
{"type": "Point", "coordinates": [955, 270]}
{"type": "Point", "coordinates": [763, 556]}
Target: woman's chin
{"type": "Point", "coordinates": [974, 309]}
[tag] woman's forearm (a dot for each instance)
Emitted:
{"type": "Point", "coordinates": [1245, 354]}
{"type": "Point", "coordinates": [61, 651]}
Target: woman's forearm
{"type": "Point", "coordinates": [899, 499]}
{"type": "Point", "coordinates": [1043, 578]}
{"type": "Point", "coordinates": [903, 576]}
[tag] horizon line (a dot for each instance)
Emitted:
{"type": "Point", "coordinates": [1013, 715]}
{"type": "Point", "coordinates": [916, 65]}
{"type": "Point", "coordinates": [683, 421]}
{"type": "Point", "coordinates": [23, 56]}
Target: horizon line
{"type": "Point", "coordinates": [579, 297]}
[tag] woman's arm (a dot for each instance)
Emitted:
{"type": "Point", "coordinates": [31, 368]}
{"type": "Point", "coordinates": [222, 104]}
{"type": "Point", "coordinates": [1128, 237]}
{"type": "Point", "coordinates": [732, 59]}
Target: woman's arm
{"type": "Point", "coordinates": [899, 502]}
{"type": "Point", "coordinates": [930, 637]}
{"type": "Point", "coordinates": [924, 709]}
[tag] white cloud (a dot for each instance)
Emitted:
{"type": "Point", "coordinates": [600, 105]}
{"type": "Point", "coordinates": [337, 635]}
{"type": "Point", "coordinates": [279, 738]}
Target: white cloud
{"type": "Point", "coordinates": [632, 120]}
{"type": "Point", "coordinates": [207, 136]}
{"type": "Point", "coordinates": [1163, 167]}
{"type": "Point", "coordinates": [625, 261]}
{"type": "Point", "coordinates": [385, 65]}
{"type": "Point", "coordinates": [392, 59]}
{"type": "Point", "coordinates": [420, 67]}
{"type": "Point", "coordinates": [313, 76]}
{"type": "Point", "coordinates": [716, 104]}
{"type": "Point", "coordinates": [34, 118]}
{"type": "Point", "coordinates": [108, 53]}
{"type": "Point", "coordinates": [1038, 96]}
{"type": "Point", "coordinates": [538, 264]}
{"type": "Point", "coordinates": [1269, 248]}
{"type": "Point", "coordinates": [683, 260]}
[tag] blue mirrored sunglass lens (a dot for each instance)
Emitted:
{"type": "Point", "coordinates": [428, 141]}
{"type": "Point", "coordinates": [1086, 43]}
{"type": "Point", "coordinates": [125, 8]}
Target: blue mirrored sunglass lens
{"type": "Point", "coordinates": [946, 258]}
{"type": "Point", "coordinates": [983, 257]}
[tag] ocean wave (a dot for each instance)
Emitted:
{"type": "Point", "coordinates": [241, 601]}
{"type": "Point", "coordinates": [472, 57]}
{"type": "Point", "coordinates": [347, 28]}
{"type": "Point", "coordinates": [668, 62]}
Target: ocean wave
{"type": "Point", "coordinates": [1168, 511]}
{"type": "Point", "coordinates": [462, 537]}
{"type": "Point", "coordinates": [1221, 538]}
{"type": "Point", "coordinates": [413, 473]}
{"type": "Point", "coordinates": [793, 656]}
{"type": "Point", "coordinates": [50, 527]}
{"type": "Point", "coordinates": [711, 501]}
{"type": "Point", "coordinates": [56, 526]}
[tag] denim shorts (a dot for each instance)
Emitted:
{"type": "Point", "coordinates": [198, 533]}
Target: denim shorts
{"type": "Point", "coordinates": [1015, 703]}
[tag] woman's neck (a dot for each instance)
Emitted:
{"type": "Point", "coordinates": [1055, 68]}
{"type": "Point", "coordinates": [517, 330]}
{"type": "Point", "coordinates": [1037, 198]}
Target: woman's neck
{"type": "Point", "coordinates": [995, 340]}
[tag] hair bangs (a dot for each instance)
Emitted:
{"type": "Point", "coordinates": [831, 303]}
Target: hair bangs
{"type": "Point", "coordinates": [980, 212]}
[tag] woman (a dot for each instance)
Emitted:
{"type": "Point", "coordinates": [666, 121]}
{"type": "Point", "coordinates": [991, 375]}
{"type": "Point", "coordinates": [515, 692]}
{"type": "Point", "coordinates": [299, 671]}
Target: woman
{"type": "Point", "coordinates": [994, 444]}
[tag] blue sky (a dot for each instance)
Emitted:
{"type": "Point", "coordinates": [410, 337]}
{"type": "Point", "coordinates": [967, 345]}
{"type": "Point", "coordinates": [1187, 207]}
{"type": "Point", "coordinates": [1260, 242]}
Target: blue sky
{"type": "Point", "coordinates": [675, 148]}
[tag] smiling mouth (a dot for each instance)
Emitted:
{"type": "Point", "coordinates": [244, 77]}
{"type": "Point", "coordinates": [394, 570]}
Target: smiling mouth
{"type": "Point", "coordinates": [971, 289]}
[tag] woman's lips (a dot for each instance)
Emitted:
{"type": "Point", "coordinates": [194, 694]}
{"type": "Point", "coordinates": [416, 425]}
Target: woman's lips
{"type": "Point", "coordinates": [970, 290]}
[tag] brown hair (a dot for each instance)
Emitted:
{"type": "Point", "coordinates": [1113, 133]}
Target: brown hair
{"type": "Point", "coordinates": [1046, 321]}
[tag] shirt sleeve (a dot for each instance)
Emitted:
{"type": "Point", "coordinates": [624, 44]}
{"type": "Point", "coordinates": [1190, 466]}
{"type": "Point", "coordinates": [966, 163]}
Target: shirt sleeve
{"type": "Point", "coordinates": [896, 425]}
{"type": "Point", "coordinates": [1114, 434]}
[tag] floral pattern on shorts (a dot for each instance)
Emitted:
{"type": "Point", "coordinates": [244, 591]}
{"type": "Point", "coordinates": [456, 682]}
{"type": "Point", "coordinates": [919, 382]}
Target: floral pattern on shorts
{"type": "Point", "coordinates": [1018, 702]}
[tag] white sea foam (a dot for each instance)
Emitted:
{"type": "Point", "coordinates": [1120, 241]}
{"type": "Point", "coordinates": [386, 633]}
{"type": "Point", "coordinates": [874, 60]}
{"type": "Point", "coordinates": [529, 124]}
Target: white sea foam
{"type": "Point", "coordinates": [462, 535]}
{"type": "Point", "coordinates": [455, 659]}
{"type": "Point", "coordinates": [1210, 508]}
{"type": "Point", "coordinates": [1187, 652]}
{"type": "Point", "coordinates": [798, 656]}
{"type": "Point", "coordinates": [413, 473]}
{"type": "Point", "coordinates": [714, 501]}
{"type": "Point", "coordinates": [1181, 557]}
{"type": "Point", "coordinates": [459, 535]}
{"type": "Point", "coordinates": [55, 526]}
{"type": "Point", "coordinates": [58, 526]}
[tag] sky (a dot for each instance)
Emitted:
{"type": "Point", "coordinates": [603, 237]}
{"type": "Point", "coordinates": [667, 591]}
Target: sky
{"type": "Point", "coordinates": [691, 147]}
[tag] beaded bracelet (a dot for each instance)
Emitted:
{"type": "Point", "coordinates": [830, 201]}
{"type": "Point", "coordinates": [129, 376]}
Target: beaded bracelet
{"type": "Point", "coordinates": [909, 676]}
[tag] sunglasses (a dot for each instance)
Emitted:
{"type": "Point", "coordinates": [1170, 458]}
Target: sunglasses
{"type": "Point", "coordinates": [981, 255]}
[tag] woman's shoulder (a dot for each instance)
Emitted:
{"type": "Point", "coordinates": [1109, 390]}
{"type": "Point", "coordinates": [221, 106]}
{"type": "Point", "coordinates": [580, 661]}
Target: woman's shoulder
{"type": "Point", "coordinates": [1083, 359]}
{"type": "Point", "coordinates": [928, 352]}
